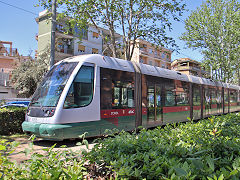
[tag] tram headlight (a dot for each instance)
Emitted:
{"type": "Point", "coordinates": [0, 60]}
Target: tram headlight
{"type": "Point", "coordinates": [49, 112]}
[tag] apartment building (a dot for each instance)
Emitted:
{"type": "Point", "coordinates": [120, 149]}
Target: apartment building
{"type": "Point", "coordinates": [189, 67]}
{"type": "Point", "coordinates": [147, 53]}
{"type": "Point", "coordinates": [68, 42]}
{"type": "Point", "coordinates": [9, 60]}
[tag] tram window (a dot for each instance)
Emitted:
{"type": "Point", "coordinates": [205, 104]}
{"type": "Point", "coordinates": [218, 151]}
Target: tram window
{"type": "Point", "coordinates": [117, 89]}
{"type": "Point", "coordinates": [170, 98]}
{"type": "Point", "coordinates": [233, 96]}
{"type": "Point", "coordinates": [219, 96]}
{"type": "Point", "coordinates": [116, 96]}
{"type": "Point", "coordinates": [151, 96]}
{"type": "Point", "coordinates": [169, 93]}
{"type": "Point", "coordinates": [50, 90]}
{"type": "Point", "coordinates": [80, 93]}
{"type": "Point", "coordinates": [213, 96]}
{"type": "Point", "coordinates": [122, 97]}
{"type": "Point", "coordinates": [196, 95]}
{"type": "Point", "coordinates": [182, 93]}
{"type": "Point", "coordinates": [226, 96]}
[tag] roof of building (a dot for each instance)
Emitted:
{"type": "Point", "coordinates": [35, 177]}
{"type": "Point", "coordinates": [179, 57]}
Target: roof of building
{"type": "Point", "coordinates": [180, 60]}
{"type": "Point", "coordinates": [46, 12]}
{"type": "Point", "coordinates": [152, 44]}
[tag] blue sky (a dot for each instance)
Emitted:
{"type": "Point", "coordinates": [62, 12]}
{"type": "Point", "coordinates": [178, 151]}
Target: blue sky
{"type": "Point", "coordinates": [20, 27]}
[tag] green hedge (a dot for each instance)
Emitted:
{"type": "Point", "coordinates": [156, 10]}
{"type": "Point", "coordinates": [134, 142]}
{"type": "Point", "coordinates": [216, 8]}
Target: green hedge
{"type": "Point", "coordinates": [11, 120]}
{"type": "Point", "coordinates": [51, 165]}
{"type": "Point", "coordinates": [208, 149]}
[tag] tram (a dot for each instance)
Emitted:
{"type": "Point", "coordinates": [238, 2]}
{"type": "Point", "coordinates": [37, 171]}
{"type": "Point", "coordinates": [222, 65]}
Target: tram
{"type": "Point", "coordinates": [92, 93]}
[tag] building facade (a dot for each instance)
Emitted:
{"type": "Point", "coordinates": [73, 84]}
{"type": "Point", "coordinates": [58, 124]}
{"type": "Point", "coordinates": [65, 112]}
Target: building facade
{"type": "Point", "coordinates": [68, 42]}
{"type": "Point", "coordinates": [9, 60]}
{"type": "Point", "coordinates": [189, 67]}
{"type": "Point", "coordinates": [147, 53]}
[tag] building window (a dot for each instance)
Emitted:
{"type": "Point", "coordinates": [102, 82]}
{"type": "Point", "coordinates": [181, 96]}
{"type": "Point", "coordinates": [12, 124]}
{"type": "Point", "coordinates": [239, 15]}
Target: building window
{"type": "Point", "coordinates": [59, 28]}
{"type": "Point", "coordinates": [183, 64]}
{"type": "Point", "coordinates": [150, 51]}
{"type": "Point", "coordinates": [83, 33]}
{"type": "Point", "coordinates": [163, 55]}
{"type": "Point", "coordinates": [94, 51]}
{"type": "Point", "coordinates": [156, 63]}
{"type": "Point", "coordinates": [60, 47]}
{"type": "Point", "coordinates": [156, 54]}
{"type": "Point", "coordinates": [143, 47]}
{"type": "Point", "coordinates": [163, 65]}
{"type": "Point", "coordinates": [168, 57]}
{"type": "Point", "coordinates": [81, 48]}
{"type": "Point", "coordinates": [150, 62]}
{"type": "Point", "coordinates": [95, 35]}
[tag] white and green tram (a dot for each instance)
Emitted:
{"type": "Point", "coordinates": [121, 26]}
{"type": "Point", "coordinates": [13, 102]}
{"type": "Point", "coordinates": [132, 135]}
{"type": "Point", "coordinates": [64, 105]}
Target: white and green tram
{"type": "Point", "coordinates": [92, 93]}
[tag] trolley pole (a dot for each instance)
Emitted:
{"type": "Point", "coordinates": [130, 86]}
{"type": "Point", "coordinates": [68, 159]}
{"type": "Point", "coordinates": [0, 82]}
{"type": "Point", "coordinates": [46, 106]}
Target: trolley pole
{"type": "Point", "coordinates": [53, 29]}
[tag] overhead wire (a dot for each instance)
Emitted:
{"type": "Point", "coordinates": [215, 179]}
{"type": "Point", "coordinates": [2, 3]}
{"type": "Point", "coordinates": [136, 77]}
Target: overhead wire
{"type": "Point", "coordinates": [182, 21]}
{"type": "Point", "coordinates": [18, 7]}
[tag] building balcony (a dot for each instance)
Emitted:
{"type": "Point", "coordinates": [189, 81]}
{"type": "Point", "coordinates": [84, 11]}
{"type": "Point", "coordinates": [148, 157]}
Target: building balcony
{"type": "Point", "coordinates": [65, 51]}
{"type": "Point", "coordinates": [63, 35]}
{"type": "Point", "coordinates": [60, 55]}
{"type": "Point", "coordinates": [188, 68]}
{"type": "Point", "coordinates": [143, 52]}
{"type": "Point", "coordinates": [12, 52]}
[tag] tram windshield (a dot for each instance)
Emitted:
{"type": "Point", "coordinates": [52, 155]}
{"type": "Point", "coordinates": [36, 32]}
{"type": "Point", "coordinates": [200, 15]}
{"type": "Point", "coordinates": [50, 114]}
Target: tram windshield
{"type": "Point", "coordinates": [50, 90]}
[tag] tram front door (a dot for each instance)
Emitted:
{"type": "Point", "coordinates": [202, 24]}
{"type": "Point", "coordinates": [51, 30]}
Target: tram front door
{"type": "Point", "coordinates": [154, 107]}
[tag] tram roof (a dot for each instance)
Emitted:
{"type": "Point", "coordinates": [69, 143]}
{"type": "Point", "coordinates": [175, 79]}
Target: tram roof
{"type": "Point", "coordinates": [161, 72]}
{"type": "Point", "coordinates": [123, 65]}
{"type": "Point", "coordinates": [104, 61]}
{"type": "Point", "coordinates": [231, 86]}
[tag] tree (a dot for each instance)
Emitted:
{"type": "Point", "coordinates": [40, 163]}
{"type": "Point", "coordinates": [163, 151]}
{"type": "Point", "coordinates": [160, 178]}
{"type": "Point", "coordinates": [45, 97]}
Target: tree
{"type": "Point", "coordinates": [214, 28]}
{"type": "Point", "coordinates": [28, 75]}
{"type": "Point", "coordinates": [146, 19]}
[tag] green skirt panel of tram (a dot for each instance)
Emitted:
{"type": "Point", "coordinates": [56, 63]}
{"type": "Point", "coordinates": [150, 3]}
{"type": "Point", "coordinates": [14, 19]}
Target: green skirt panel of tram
{"type": "Point", "coordinates": [74, 130]}
{"type": "Point", "coordinates": [59, 131]}
{"type": "Point", "coordinates": [167, 118]}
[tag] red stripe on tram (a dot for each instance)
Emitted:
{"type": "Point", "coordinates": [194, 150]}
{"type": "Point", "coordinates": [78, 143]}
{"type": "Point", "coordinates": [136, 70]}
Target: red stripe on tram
{"type": "Point", "coordinates": [176, 109]}
{"type": "Point", "coordinates": [196, 107]}
{"type": "Point", "coordinates": [214, 106]}
{"type": "Point", "coordinates": [112, 113]}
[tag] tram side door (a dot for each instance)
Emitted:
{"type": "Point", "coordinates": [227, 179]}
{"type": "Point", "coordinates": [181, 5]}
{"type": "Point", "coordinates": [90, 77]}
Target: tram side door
{"type": "Point", "coordinates": [159, 115]}
{"type": "Point", "coordinates": [154, 107]}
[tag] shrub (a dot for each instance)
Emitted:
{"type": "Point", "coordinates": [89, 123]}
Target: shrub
{"type": "Point", "coordinates": [51, 165]}
{"type": "Point", "coordinates": [208, 149]}
{"type": "Point", "coordinates": [11, 120]}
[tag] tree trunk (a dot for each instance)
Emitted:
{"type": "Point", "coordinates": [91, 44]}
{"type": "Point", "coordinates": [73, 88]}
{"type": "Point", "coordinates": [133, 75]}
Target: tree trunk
{"type": "Point", "coordinates": [238, 75]}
